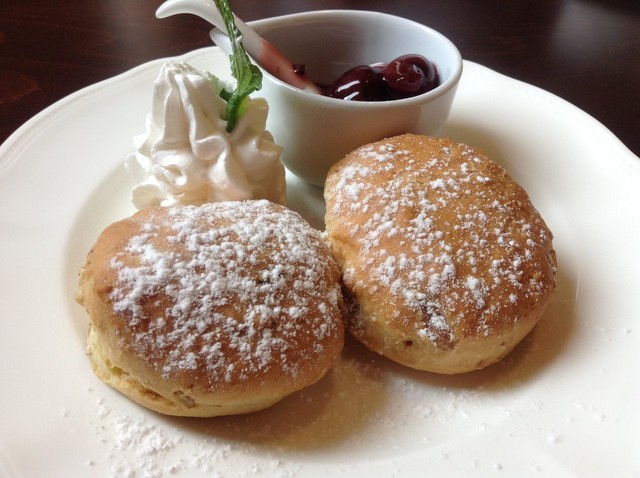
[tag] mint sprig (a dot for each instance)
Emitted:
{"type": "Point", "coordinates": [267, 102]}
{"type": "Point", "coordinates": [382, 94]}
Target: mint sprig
{"type": "Point", "coordinates": [248, 76]}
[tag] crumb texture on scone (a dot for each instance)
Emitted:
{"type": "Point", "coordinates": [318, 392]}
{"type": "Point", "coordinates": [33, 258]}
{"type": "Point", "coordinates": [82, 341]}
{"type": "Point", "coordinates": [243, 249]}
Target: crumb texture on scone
{"type": "Point", "coordinates": [214, 308]}
{"type": "Point", "coordinates": [446, 262]}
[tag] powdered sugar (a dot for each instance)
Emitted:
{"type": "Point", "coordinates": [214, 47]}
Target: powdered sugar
{"type": "Point", "coordinates": [231, 299]}
{"type": "Point", "coordinates": [443, 235]}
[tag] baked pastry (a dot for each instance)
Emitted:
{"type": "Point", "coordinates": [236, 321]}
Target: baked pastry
{"type": "Point", "coordinates": [214, 310]}
{"type": "Point", "coordinates": [447, 264]}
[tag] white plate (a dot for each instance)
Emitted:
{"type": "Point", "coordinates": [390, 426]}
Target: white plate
{"type": "Point", "coordinates": [565, 403]}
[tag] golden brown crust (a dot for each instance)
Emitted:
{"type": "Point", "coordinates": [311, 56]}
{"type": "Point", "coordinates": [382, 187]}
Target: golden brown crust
{"type": "Point", "coordinates": [219, 309]}
{"type": "Point", "coordinates": [446, 262]}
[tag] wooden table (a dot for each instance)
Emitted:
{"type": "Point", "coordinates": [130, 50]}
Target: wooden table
{"type": "Point", "coordinates": [585, 51]}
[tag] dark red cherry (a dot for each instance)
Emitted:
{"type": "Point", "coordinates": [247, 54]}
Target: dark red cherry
{"type": "Point", "coordinates": [362, 83]}
{"type": "Point", "coordinates": [409, 75]}
{"type": "Point", "coordinates": [403, 77]}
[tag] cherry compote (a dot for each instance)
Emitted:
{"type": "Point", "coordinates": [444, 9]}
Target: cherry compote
{"type": "Point", "coordinates": [403, 77]}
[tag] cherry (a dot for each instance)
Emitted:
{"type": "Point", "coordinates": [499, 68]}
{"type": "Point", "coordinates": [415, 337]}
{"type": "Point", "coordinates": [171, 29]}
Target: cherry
{"type": "Point", "coordinates": [409, 75]}
{"type": "Point", "coordinates": [403, 77]}
{"type": "Point", "coordinates": [362, 83]}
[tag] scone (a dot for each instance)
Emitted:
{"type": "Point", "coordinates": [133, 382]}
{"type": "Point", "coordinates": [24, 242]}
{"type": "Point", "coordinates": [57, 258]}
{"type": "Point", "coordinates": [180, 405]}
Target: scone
{"type": "Point", "coordinates": [214, 310]}
{"type": "Point", "coordinates": [447, 264]}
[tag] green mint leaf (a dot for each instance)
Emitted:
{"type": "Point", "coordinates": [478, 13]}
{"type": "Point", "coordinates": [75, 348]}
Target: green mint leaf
{"type": "Point", "coordinates": [248, 76]}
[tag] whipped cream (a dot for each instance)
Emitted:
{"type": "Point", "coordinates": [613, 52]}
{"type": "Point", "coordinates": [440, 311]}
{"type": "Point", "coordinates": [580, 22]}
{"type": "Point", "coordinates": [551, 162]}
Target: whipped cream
{"type": "Point", "coordinates": [186, 156]}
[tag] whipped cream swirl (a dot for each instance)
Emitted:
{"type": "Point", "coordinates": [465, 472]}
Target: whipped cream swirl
{"type": "Point", "coordinates": [186, 156]}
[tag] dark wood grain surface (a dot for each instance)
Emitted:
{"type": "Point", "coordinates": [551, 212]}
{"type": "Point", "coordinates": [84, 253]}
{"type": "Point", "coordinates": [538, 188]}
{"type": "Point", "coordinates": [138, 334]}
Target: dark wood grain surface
{"type": "Point", "coordinates": [585, 51]}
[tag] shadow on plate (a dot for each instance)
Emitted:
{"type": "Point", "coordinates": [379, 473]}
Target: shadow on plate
{"type": "Point", "coordinates": [307, 200]}
{"type": "Point", "coordinates": [325, 415]}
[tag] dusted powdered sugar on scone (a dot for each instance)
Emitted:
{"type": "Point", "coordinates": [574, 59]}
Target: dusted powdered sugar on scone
{"type": "Point", "coordinates": [202, 305]}
{"type": "Point", "coordinates": [206, 274]}
{"type": "Point", "coordinates": [447, 262]}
